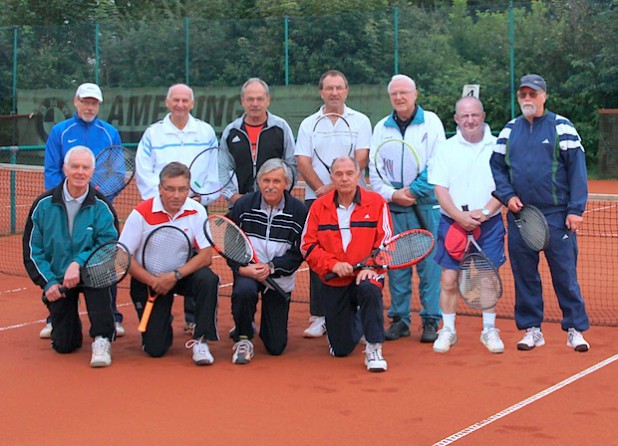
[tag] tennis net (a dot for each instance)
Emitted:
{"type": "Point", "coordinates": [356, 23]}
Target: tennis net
{"type": "Point", "coordinates": [598, 241]}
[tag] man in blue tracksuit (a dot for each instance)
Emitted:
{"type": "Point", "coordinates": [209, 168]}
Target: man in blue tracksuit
{"type": "Point", "coordinates": [412, 202]}
{"type": "Point", "coordinates": [539, 160]}
{"type": "Point", "coordinates": [83, 129]}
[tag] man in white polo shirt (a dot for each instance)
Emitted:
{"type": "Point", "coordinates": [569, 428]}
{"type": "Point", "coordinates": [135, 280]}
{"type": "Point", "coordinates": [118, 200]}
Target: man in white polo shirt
{"type": "Point", "coordinates": [173, 207]}
{"type": "Point", "coordinates": [333, 87]}
{"type": "Point", "coordinates": [461, 176]}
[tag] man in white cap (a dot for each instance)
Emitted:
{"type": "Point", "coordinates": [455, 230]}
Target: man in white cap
{"type": "Point", "coordinates": [83, 129]}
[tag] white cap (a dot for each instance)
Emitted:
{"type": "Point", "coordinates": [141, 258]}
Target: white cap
{"type": "Point", "coordinates": [89, 91]}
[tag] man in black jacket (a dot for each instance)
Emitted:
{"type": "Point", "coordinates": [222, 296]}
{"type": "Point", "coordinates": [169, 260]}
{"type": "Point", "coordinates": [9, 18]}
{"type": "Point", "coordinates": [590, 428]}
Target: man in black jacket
{"type": "Point", "coordinates": [273, 220]}
{"type": "Point", "coordinates": [255, 137]}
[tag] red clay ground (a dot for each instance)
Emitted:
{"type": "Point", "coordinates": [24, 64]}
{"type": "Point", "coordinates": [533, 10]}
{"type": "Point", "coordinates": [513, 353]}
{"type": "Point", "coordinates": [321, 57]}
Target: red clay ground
{"type": "Point", "coordinates": [304, 397]}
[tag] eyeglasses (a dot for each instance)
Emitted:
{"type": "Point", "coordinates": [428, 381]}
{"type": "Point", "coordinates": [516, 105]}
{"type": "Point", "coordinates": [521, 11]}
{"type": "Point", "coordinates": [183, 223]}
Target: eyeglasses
{"type": "Point", "coordinates": [89, 102]}
{"type": "Point", "coordinates": [531, 94]}
{"type": "Point", "coordinates": [171, 190]}
{"type": "Point", "coordinates": [335, 88]}
{"type": "Point", "coordinates": [400, 93]}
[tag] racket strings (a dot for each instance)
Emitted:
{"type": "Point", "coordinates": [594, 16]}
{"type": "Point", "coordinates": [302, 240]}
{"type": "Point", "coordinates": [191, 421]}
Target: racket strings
{"type": "Point", "coordinates": [405, 249]}
{"type": "Point", "coordinates": [108, 265]}
{"type": "Point", "coordinates": [230, 242]}
{"type": "Point", "coordinates": [165, 250]}
{"type": "Point", "coordinates": [114, 169]}
{"type": "Point", "coordinates": [533, 228]}
{"type": "Point", "coordinates": [479, 282]}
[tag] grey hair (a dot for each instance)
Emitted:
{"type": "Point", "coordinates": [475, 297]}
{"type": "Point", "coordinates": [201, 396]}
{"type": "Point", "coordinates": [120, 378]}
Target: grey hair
{"type": "Point", "coordinates": [79, 149]}
{"type": "Point", "coordinates": [173, 170]}
{"type": "Point", "coordinates": [342, 158]}
{"type": "Point", "coordinates": [253, 80]}
{"type": "Point", "coordinates": [169, 91]}
{"type": "Point", "coordinates": [274, 164]}
{"type": "Point", "coordinates": [401, 77]}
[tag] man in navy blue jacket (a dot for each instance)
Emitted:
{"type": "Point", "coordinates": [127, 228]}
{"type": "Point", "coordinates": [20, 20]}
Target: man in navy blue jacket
{"type": "Point", "coordinates": [539, 160]}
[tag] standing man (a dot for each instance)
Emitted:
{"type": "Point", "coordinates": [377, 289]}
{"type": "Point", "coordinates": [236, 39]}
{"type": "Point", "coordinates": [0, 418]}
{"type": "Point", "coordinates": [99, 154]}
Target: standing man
{"type": "Point", "coordinates": [172, 206]}
{"type": "Point", "coordinates": [343, 227]}
{"type": "Point", "coordinates": [273, 220]}
{"type": "Point", "coordinates": [83, 129]}
{"type": "Point", "coordinates": [255, 137]}
{"type": "Point", "coordinates": [333, 88]}
{"type": "Point", "coordinates": [539, 160]}
{"type": "Point", "coordinates": [64, 226]}
{"type": "Point", "coordinates": [177, 137]}
{"type": "Point", "coordinates": [461, 176]}
{"type": "Point", "coordinates": [424, 131]}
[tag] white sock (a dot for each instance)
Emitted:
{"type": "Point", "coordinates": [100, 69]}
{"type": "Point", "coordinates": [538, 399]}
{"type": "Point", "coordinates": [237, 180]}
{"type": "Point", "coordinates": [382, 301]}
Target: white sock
{"type": "Point", "coordinates": [489, 320]}
{"type": "Point", "coordinates": [448, 320]}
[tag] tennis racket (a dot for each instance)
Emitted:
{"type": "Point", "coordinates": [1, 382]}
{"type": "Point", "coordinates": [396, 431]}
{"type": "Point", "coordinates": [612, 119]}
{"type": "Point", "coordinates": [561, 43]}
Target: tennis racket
{"type": "Point", "coordinates": [114, 170]}
{"type": "Point", "coordinates": [532, 226]}
{"type": "Point", "coordinates": [105, 266]}
{"type": "Point", "coordinates": [478, 280]}
{"type": "Point", "coordinates": [397, 164]}
{"type": "Point", "coordinates": [166, 248]}
{"type": "Point", "coordinates": [331, 140]}
{"type": "Point", "coordinates": [401, 251]}
{"type": "Point", "coordinates": [233, 244]}
{"type": "Point", "coordinates": [211, 172]}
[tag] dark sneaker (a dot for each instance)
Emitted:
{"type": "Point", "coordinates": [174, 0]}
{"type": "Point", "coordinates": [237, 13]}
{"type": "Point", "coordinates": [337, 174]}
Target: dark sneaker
{"type": "Point", "coordinates": [430, 331]}
{"type": "Point", "coordinates": [398, 329]}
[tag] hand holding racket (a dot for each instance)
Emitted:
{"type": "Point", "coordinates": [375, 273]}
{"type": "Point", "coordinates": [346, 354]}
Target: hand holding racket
{"type": "Point", "coordinates": [478, 280]}
{"type": "Point", "coordinates": [114, 170]}
{"type": "Point", "coordinates": [233, 244]}
{"type": "Point", "coordinates": [105, 266]}
{"type": "Point", "coordinates": [166, 249]}
{"type": "Point", "coordinates": [532, 225]}
{"type": "Point", "coordinates": [401, 251]}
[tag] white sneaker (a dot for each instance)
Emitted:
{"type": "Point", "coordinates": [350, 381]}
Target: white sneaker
{"type": "Point", "coordinates": [120, 331]}
{"type": "Point", "coordinates": [46, 331]}
{"type": "Point", "coordinates": [373, 358]}
{"type": "Point", "coordinates": [532, 338]}
{"type": "Point", "coordinates": [243, 352]}
{"type": "Point", "coordinates": [101, 352]}
{"type": "Point", "coordinates": [576, 341]}
{"type": "Point", "coordinates": [446, 339]}
{"type": "Point", "coordinates": [490, 338]}
{"type": "Point", "coordinates": [201, 352]}
{"type": "Point", "coordinates": [317, 327]}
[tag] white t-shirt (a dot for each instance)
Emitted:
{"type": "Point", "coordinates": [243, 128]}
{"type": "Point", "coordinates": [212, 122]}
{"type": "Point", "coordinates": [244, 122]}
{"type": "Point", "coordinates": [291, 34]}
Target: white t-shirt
{"type": "Point", "coordinates": [336, 135]}
{"type": "Point", "coordinates": [463, 168]}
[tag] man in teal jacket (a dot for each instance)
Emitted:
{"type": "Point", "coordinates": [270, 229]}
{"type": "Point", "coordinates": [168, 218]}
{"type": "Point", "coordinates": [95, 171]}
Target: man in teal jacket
{"type": "Point", "coordinates": [64, 226]}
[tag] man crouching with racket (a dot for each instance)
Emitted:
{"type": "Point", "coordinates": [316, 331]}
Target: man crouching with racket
{"type": "Point", "coordinates": [462, 178]}
{"type": "Point", "coordinates": [160, 234]}
{"type": "Point", "coordinates": [344, 227]}
{"type": "Point", "coordinates": [64, 226]}
{"type": "Point", "coordinates": [273, 221]}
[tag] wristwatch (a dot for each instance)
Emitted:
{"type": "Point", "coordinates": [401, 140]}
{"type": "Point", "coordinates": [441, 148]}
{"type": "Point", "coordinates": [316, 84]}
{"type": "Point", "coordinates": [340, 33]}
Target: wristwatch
{"type": "Point", "coordinates": [177, 274]}
{"type": "Point", "coordinates": [485, 212]}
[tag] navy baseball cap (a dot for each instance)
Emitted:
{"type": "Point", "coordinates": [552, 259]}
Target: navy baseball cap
{"type": "Point", "coordinates": [533, 81]}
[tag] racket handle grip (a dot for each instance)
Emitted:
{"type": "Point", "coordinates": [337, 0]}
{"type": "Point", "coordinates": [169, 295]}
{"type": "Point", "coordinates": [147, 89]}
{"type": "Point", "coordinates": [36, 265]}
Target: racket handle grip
{"type": "Point", "coordinates": [275, 286]}
{"type": "Point", "coordinates": [330, 276]}
{"type": "Point", "coordinates": [143, 323]}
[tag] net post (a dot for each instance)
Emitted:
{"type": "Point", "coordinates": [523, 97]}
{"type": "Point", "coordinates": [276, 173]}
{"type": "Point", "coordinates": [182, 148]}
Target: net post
{"type": "Point", "coordinates": [14, 150]}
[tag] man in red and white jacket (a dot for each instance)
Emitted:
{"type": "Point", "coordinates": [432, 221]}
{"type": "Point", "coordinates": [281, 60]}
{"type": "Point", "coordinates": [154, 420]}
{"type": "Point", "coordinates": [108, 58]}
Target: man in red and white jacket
{"type": "Point", "coordinates": [343, 227]}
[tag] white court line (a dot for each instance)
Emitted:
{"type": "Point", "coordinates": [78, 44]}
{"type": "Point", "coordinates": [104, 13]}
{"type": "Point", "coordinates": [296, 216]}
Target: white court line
{"type": "Point", "coordinates": [515, 407]}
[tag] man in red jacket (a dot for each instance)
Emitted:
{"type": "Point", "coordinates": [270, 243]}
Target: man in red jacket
{"type": "Point", "coordinates": [343, 227]}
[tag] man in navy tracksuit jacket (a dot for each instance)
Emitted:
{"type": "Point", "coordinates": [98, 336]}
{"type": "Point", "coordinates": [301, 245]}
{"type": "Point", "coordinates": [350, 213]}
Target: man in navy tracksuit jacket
{"type": "Point", "coordinates": [539, 160]}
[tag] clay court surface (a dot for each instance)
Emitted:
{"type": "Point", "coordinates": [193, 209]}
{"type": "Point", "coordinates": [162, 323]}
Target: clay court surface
{"type": "Point", "coordinates": [548, 396]}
